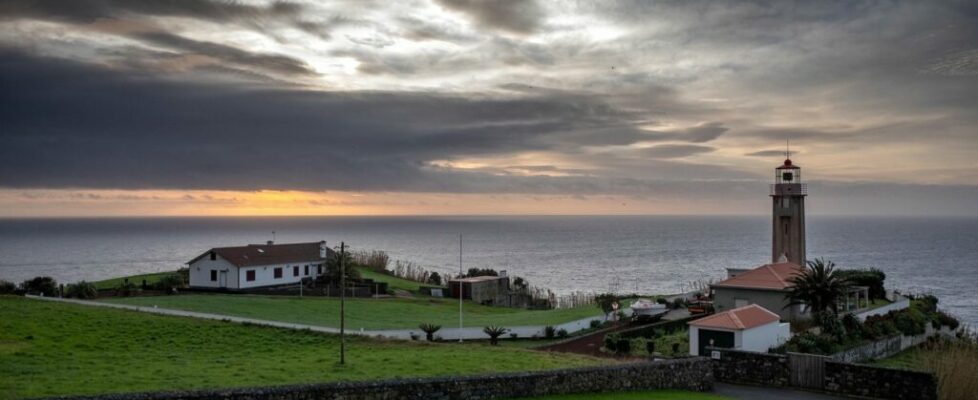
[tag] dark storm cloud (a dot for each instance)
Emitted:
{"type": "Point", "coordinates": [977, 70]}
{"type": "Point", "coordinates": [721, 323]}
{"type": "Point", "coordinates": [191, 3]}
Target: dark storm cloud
{"type": "Point", "coordinates": [267, 62]}
{"type": "Point", "coordinates": [516, 16]}
{"type": "Point", "coordinates": [88, 11]}
{"type": "Point", "coordinates": [109, 129]}
{"type": "Point", "coordinates": [675, 150]}
{"type": "Point", "coordinates": [767, 153]}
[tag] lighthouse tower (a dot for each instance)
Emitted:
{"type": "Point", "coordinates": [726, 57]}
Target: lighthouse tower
{"type": "Point", "coordinates": [788, 214]}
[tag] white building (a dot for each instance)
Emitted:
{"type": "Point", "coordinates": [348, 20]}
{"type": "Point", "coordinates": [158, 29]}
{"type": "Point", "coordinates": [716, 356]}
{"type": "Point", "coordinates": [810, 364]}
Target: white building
{"type": "Point", "coordinates": [747, 328]}
{"type": "Point", "coordinates": [257, 265]}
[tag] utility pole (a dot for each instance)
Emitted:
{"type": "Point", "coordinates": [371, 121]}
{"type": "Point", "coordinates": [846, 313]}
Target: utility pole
{"type": "Point", "coordinates": [461, 288]}
{"type": "Point", "coordinates": [342, 303]}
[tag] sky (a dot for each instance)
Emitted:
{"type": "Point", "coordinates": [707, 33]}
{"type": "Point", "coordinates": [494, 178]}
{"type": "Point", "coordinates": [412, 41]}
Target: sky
{"type": "Point", "coordinates": [430, 107]}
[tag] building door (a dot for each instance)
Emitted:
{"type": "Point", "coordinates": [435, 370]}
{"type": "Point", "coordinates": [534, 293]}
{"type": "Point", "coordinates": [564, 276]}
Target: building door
{"type": "Point", "coordinates": [223, 279]}
{"type": "Point", "coordinates": [719, 338]}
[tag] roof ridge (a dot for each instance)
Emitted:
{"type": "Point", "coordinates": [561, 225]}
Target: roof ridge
{"type": "Point", "coordinates": [776, 275]}
{"type": "Point", "coordinates": [733, 317]}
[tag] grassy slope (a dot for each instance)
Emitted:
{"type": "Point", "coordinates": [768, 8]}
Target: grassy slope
{"type": "Point", "coordinates": [135, 280]}
{"type": "Point", "coordinates": [393, 282]}
{"type": "Point", "coordinates": [391, 313]}
{"type": "Point", "coordinates": [908, 359]}
{"type": "Point", "coordinates": [49, 349]}
{"type": "Point", "coordinates": [650, 395]}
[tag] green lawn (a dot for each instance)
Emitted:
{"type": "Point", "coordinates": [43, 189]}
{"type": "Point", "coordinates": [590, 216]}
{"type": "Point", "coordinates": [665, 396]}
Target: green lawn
{"type": "Point", "coordinates": [649, 395]}
{"type": "Point", "coordinates": [53, 349]}
{"type": "Point", "coordinates": [370, 314]}
{"type": "Point", "coordinates": [393, 282]}
{"type": "Point", "coordinates": [135, 280]}
{"type": "Point", "coordinates": [908, 359]}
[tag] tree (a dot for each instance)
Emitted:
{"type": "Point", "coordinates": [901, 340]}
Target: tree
{"type": "Point", "coordinates": [429, 330]}
{"type": "Point", "coordinates": [42, 285]}
{"type": "Point", "coordinates": [494, 333]}
{"type": "Point", "coordinates": [332, 273]}
{"type": "Point", "coordinates": [473, 272]}
{"type": "Point", "coordinates": [819, 287]}
{"type": "Point", "coordinates": [607, 302]}
{"type": "Point", "coordinates": [520, 284]}
{"type": "Point", "coordinates": [82, 290]}
{"type": "Point", "coordinates": [434, 279]}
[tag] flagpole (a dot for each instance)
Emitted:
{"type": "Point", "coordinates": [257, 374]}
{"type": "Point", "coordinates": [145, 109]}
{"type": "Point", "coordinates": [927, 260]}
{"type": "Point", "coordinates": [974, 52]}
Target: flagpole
{"type": "Point", "coordinates": [461, 287]}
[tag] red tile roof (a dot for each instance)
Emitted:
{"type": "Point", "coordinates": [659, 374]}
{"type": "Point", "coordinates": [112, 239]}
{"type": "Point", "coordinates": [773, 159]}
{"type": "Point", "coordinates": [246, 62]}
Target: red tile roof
{"type": "Point", "coordinates": [768, 276]}
{"type": "Point", "coordinates": [263, 254]}
{"type": "Point", "coordinates": [746, 317]}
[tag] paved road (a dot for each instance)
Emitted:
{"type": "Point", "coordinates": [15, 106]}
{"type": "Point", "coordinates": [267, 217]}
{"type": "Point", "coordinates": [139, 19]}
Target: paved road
{"type": "Point", "coordinates": [763, 393]}
{"type": "Point", "coordinates": [445, 333]}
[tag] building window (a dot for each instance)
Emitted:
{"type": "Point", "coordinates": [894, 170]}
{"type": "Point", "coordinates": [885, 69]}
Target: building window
{"type": "Point", "coordinates": [213, 275]}
{"type": "Point", "coordinates": [319, 269]}
{"type": "Point", "coordinates": [250, 276]}
{"type": "Point", "coordinates": [278, 272]}
{"type": "Point", "coordinates": [213, 256]}
{"type": "Point", "coordinates": [307, 270]}
{"type": "Point", "coordinates": [295, 270]}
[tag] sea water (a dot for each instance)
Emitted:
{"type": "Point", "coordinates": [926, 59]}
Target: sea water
{"type": "Point", "coordinates": [643, 254]}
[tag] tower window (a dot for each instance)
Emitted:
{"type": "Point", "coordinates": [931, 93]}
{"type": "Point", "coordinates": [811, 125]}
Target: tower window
{"type": "Point", "coordinates": [787, 176]}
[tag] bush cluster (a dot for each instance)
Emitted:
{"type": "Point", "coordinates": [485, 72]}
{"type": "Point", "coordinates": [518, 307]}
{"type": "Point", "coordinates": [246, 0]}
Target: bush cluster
{"type": "Point", "coordinates": [872, 278]}
{"type": "Point", "coordinates": [82, 290]}
{"type": "Point", "coordinates": [169, 283]}
{"type": "Point", "coordinates": [10, 288]}
{"type": "Point", "coordinates": [42, 285]}
{"type": "Point", "coordinates": [837, 333]}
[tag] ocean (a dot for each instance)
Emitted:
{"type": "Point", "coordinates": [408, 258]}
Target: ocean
{"type": "Point", "coordinates": [644, 254]}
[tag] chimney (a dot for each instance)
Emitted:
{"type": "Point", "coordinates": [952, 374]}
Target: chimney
{"type": "Point", "coordinates": [270, 242]}
{"type": "Point", "coordinates": [322, 249]}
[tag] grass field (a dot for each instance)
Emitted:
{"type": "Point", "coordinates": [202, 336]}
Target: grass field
{"type": "Point", "coordinates": [393, 282]}
{"type": "Point", "coordinates": [135, 280]}
{"type": "Point", "coordinates": [650, 395]}
{"type": "Point", "coordinates": [911, 358]}
{"type": "Point", "coordinates": [50, 349]}
{"type": "Point", "coordinates": [370, 314]}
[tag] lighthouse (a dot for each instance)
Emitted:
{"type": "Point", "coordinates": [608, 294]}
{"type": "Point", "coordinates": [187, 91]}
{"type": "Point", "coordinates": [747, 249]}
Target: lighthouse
{"type": "Point", "coordinates": [788, 214]}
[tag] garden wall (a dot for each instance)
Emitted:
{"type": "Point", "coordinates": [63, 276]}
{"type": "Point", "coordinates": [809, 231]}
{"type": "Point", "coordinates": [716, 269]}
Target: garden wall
{"type": "Point", "coordinates": [840, 378]}
{"type": "Point", "coordinates": [888, 347]}
{"type": "Point", "coordinates": [687, 374]}
{"type": "Point", "coordinates": [762, 369]}
{"type": "Point", "coordinates": [862, 380]}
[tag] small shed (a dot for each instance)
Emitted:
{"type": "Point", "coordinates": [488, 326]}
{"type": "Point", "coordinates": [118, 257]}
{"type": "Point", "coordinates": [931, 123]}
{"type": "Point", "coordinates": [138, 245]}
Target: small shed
{"type": "Point", "coordinates": [747, 328]}
{"type": "Point", "coordinates": [488, 290]}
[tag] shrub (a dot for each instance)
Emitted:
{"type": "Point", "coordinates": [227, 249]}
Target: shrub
{"type": "Point", "coordinates": [831, 325]}
{"type": "Point", "coordinates": [10, 288]}
{"type": "Point", "coordinates": [595, 323]}
{"type": "Point", "coordinates": [852, 325]}
{"type": "Point", "coordinates": [562, 333]}
{"type": "Point", "coordinates": [662, 300]}
{"type": "Point", "coordinates": [513, 335]}
{"type": "Point", "coordinates": [606, 301]}
{"type": "Point", "coordinates": [429, 330]}
{"type": "Point", "coordinates": [434, 279]}
{"type": "Point", "coordinates": [807, 342]}
{"type": "Point", "coordinates": [169, 283]}
{"type": "Point", "coordinates": [494, 333]}
{"type": "Point", "coordinates": [42, 285]}
{"type": "Point", "coordinates": [679, 303]}
{"type": "Point", "coordinates": [624, 346]}
{"type": "Point", "coordinates": [910, 321]}
{"type": "Point", "coordinates": [944, 319]}
{"type": "Point", "coordinates": [611, 342]}
{"type": "Point", "coordinates": [549, 332]}
{"type": "Point", "coordinates": [82, 290]}
{"type": "Point", "coordinates": [873, 278]}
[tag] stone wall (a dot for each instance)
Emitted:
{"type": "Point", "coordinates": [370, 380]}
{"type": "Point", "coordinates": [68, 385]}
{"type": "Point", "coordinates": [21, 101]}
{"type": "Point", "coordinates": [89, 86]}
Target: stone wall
{"type": "Point", "coordinates": [686, 374]}
{"type": "Point", "coordinates": [884, 383]}
{"type": "Point", "coordinates": [751, 368]}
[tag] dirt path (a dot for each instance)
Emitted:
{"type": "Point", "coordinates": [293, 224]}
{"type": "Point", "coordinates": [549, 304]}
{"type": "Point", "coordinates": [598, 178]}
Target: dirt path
{"type": "Point", "coordinates": [589, 344]}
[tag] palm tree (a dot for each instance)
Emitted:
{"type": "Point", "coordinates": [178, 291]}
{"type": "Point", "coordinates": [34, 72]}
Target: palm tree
{"type": "Point", "coordinates": [819, 287]}
{"type": "Point", "coordinates": [494, 333]}
{"type": "Point", "coordinates": [429, 330]}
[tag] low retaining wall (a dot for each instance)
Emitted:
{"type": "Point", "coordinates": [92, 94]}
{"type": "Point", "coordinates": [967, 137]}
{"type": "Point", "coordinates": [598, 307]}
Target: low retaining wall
{"type": "Point", "coordinates": [888, 347]}
{"type": "Point", "coordinates": [885, 383]}
{"type": "Point", "coordinates": [751, 368]}
{"type": "Point", "coordinates": [900, 304]}
{"type": "Point", "coordinates": [840, 378]}
{"type": "Point", "coordinates": [686, 374]}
